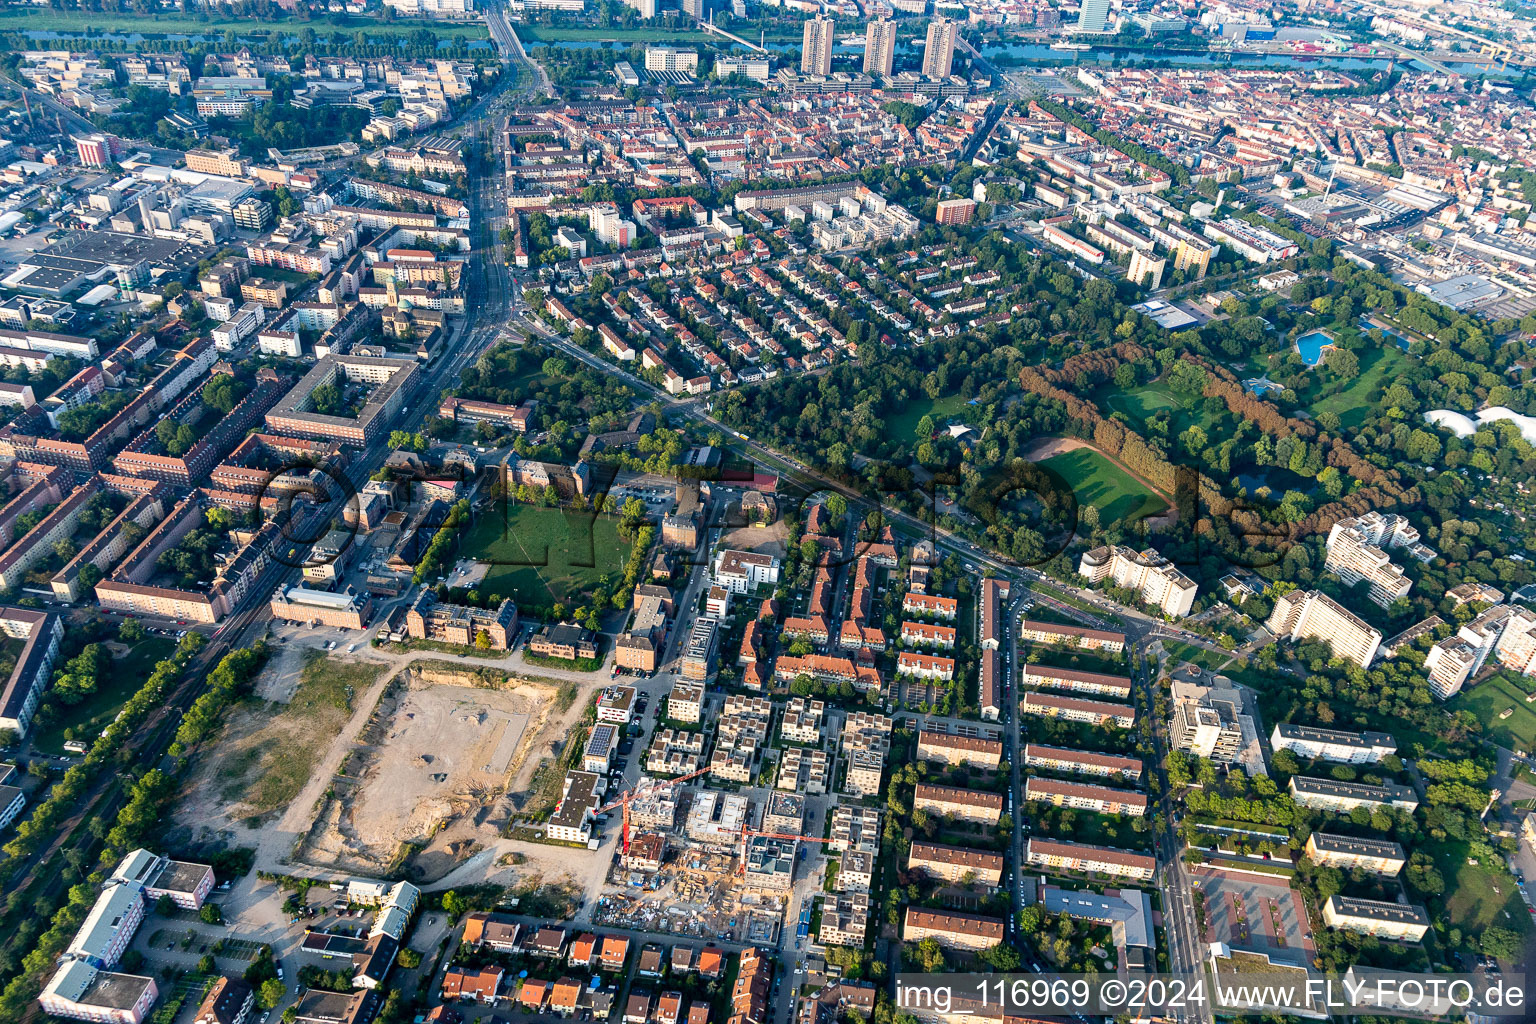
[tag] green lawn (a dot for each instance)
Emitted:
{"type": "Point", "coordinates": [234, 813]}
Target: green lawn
{"type": "Point", "coordinates": [540, 556]}
{"type": "Point", "coordinates": [44, 20]}
{"type": "Point", "coordinates": [1139, 404]}
{"type": "Point", "coordinates": [1379, 366]}
{"type": "Point", "coordinates": [123, 680]}
{"type": "Point", "coordinates": [1178, 652]}
{"type": "Point", "coordinates": [1478, 895]}
{"type": "Point", "coordinates": [1488, 699]}
{"type": "Point", "coordinates": [901, 425]}
{"type": "Point", "coordinates": [1097, 481]}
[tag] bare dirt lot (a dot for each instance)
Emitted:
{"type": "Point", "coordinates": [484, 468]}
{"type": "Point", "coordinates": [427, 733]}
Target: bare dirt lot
{"type": "Point", "coordinates": [272, 744]}
{"type": "Point", "coordinates": [772, 539]}
{"type": "Point", "coordinates": [433, 760]}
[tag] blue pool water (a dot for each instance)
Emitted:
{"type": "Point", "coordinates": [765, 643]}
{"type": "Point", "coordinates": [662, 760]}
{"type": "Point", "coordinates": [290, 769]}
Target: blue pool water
{"type": "Point", "coordinates": [1312, 345]}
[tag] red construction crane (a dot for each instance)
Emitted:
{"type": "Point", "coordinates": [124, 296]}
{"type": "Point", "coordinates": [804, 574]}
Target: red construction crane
{"type": "Point", "coordinates": [653, 787]}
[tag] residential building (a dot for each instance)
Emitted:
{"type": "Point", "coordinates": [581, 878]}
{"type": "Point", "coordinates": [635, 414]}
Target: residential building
{"type": "Point", "coordinates": [1355, 554]}
{"type": "Point", "coordinates": [879, 47]}
{"type": "Point", "coordinates": [1155, 579]}
{"type": "Point", "coordinates": [1373, 856]}
{"type": "Point", "coordinates": [741, 572]}
{"type": "Point", "coordinates": [1100, 684]}
{"type": "Point", "coordinates": [936, 745]}
{"type": "Point", "coordinates": [954, 211]}
{"type": "Point", "coordinates": [1083, 796]}
{"type": "Point", "coordinates": [1073, 709]}
{"type": "Point", "coordinates": [817, 41]}
{"type": "Point", "coordinates": [227, 1001]}
{"type": "Point", "coordinates": [564, 641]}
{"type": "Point", "coordinates": [671, 59]}
{"type": "Point", "coordinates": [952, 929]}
{"type": "Point", "coordinates": [462, 625]}
{"type": "Point", "coordinates": [953, 863]}
{"type": "Point", "coordinates": [1073, 636]}
{"type": "Point", "coordinates": [1332, 744]}
{"type": "Point", "coordinates": [965, 804]}
{"type": "Point", "coordinates": [1401, 922]}
{"type": "Point", "coordinates": [82, 991]}
{"type": "Point", "coordinates": [939, 53]}
{"type": "Point", "coordinates": [1103, 860]}
{"type": "Point", "coordinates": [685, 701]}
{"type": "Point", "coordinates": [844, 919]}
{"type": "Point", "coordinates": [1081, 762]}
{"type": "Point", "coordinates": [580, 798]}
{"type": "Point", "coordinates": [1313, 615]}
{"type": "Point", "coordinates": [1343, 797]}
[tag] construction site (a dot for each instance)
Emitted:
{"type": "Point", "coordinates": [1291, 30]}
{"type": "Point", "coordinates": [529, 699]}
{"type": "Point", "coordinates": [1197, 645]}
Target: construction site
{"type": "Point", "coordinates": [425, 782]}
{"type": "Point", "coordinates": [707, 863]}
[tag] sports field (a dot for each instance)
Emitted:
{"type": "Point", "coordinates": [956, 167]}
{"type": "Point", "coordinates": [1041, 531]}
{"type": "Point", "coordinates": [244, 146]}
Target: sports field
{"type": "Point", "coordinates": [539, 556]}
{"type": "Point", "coordinates": [1097, 481]}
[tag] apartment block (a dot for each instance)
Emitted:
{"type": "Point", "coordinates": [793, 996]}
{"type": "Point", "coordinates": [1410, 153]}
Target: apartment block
{"type": "Point", "coordinates": [802, 720]}
{"type": "Point", "coordinates": [1401, 922]}
{"type": "Point", "coordinates": [1208, 729]}
{"type": "Point", "coordinates": [1081, 762]}
{"type": "Point", "coordinates": [1373, 856]}
{"type": "Point", "coordinates": [1073, 709]}
{"type": "Point", "coordinates": [952, 929]}
{"type": "Point", "coordinates": [990, 697]}
{"type": "Point", "coordinates": [855, 828]}
{"type": "Point", "coordinates": [741, 572]}
{"type": "Point", "coordinates": [685, 702]}
{"type": "Point", "coordinates": [1073, 636]}
{"type": "Point", "coordinates": [1355, 554]}
{"type": "Point", "coordinates": [1083, 796]}
{"type": "Point", "coordinates": [1332, 744]}
{"type": "Point", "coordinates": [934, 745]}
{"type": "Point", "coordinates": [993, 593]}
{"type": "Point", "coordinates": [864, 772]}
{"type": "Point", "coordinates": [930, 605]}
{"type": "Point", "coordinates": [1097, 683]}
{"type": "Point", "coordinates": [844, 920]}
{"type": "Point", "coordinates": [1103, 860]}
{"type": "Point", "coordinates": [802, 770]}
{"type": "Point", "coordinates": [1343, 797]}
{"type": "Point", "coordinates": [952, 863]}
{"type": "Point", "coordinates": [1159, 584]}
{"type": "Point", "coordinates": [963, 804]}
{"type": "Point", "coordinates": [927, 634]}
{"type": "Point", "coordinates": [916, 665]}
{"type": "Point", "coordinates": [1313, 615]}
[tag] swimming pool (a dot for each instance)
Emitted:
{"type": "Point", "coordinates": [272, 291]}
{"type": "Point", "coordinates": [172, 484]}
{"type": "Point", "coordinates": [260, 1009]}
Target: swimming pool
{"type": "Point", "coordinates": [1313, 346]}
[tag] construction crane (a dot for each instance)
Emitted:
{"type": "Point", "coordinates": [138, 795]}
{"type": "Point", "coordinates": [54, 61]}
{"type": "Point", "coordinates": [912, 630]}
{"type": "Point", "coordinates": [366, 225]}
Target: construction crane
{"type": "Point", "coordinates": [655, 786]}
{"type": "Point", "coordinates": [746, 833]}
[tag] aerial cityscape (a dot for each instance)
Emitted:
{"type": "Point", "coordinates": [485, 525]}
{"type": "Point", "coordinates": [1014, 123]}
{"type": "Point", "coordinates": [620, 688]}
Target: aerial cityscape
{"type": "Point", "coordinates": [766, 511]}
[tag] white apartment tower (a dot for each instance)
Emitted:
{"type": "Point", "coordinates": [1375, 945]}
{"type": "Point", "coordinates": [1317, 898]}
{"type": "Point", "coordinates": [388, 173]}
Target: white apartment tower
{"type": "Point", "coordinates": [880, 47]}
{"type": "Point", "coordinates": [939, 55]}
{"type": "Point", "coordinates": [816, 46]}
{"type": "Point", "coordinates": [1093, 16]}
{"type": "Point", "coordinates": [1355, 553]}
{"type": "Point", "coordinates": [1313, 615]}
{"type": "Point", "coordinates": [1159, 583]}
